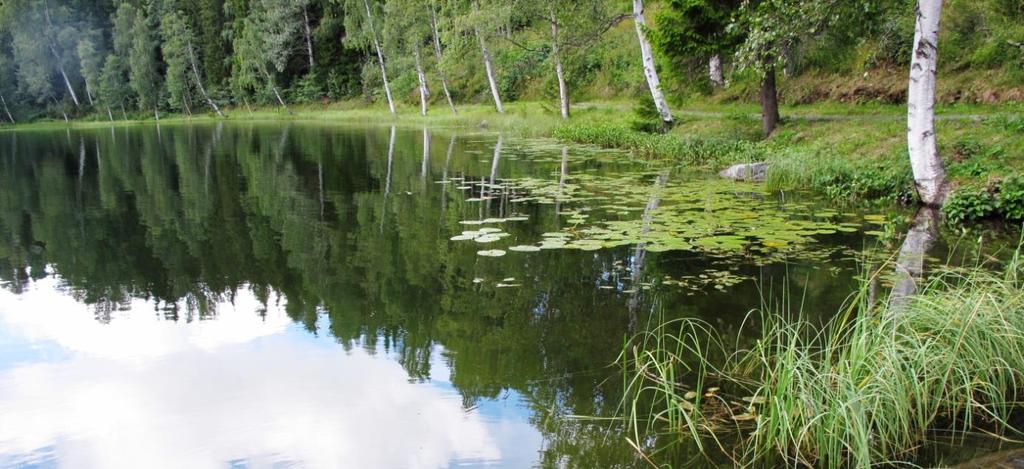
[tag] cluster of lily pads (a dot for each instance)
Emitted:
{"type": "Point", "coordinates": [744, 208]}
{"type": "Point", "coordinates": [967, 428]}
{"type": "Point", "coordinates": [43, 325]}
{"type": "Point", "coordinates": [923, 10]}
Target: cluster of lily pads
{"type": "Point", "coordinates": [706, 215]}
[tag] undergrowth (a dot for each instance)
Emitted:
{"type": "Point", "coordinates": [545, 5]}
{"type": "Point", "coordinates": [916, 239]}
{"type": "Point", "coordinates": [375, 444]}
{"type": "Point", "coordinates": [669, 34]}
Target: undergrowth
{"type": "Point", "coordinates": [864, 390]}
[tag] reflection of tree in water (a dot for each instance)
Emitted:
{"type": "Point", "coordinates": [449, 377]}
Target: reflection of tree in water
{"type": "Point", "coordinates": [349, 224]}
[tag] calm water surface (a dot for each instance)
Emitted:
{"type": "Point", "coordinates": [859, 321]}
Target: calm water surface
{"type": "Point", "coordinates": [290, 295]}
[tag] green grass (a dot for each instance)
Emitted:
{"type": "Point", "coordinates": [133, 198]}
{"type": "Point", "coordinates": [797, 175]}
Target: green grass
{"type": "Point", "coordinates": [864, 390]}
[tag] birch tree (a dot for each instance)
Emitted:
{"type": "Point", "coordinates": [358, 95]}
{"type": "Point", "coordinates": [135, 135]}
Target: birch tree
{"type": "Point", "coordinates": [266, 42]}
{"type": "Point", "coordinates": [480, 21]}
{"type": "Point", "coordinates": [361, 32]}
{"type": "Point", "coordinates": [91, 61]}
{"type": "Point", "coordinates": [650, 68]}
{"type": "Point", "coordinates": [182, 65]}
{"type": "Point", "coordinates": [408, 34]}
{"type": "Point", "coordinates": [929, 172]}
{"type": "Point", "coordinates": [59, 49]}
{"type": "Point", "coordinates": [438, 54]}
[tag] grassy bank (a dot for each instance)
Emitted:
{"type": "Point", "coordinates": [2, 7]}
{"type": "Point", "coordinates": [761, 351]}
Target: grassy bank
{"type": "Point", "coordinates": [866, 389]}
{"type": "Point", "coordinates": [847, 152]}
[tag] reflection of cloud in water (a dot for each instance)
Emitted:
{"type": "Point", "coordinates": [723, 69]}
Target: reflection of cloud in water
{"type": "Point", "coordinates": [142, 392]}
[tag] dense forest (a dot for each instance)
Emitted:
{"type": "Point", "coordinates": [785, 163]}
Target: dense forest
{"type": "Point", "coordinates": [137, 58]}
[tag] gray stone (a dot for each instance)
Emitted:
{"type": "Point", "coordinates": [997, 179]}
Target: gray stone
{"type": "Point", "coordinates": [755, 172]}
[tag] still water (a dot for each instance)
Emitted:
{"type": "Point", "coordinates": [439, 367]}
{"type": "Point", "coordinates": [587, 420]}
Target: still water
{"type": "Point", "coordinates": [305, 295]}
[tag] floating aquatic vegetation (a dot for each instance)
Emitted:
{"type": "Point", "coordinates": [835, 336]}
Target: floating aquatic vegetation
{"type": "Point", "coordinates": [491, 253]}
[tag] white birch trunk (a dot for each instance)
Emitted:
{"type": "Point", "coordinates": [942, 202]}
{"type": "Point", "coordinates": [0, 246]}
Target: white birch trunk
{"type": "Point", "coordinates": [929, 173]}
{"type": "Point", "coordinates": [422, 78]}
{"type": "Point", "coordinates": [124, 114]}
{"type": "Point", "coordinates": [71, 90]}
{"type": "Point", "coordinates": [199, 81]}
{"type": "Point", "coordinates": [56, 56]}
{"type": "Point", "coordinates": [88, 93]}
{"type": "Point", "coordinates": [247, 106]}
{"type": "Point", "coordinates": [563, 91]}
{"type": "Point", "coordinates": [489, 67]}
{"type": "Point", "coordinates": [156, 114]}
{"type": "Point", "coordinates": [715, 71]}
{"type": "Point", "coordinates": [110, 115]}
{"type": "Point", "coordinates": [309, 36]}
{"type": "Point", "coordinates": [380, 57]}
{"type": "Point", "coordinates": [7, 111]}
{"type": "Point", "coordinates": [650, 72]}
{"type": "Point", "coordinates": [437, 52]}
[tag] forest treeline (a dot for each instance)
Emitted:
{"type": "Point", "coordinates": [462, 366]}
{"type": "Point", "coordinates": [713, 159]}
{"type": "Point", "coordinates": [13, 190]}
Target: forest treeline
{"type": "Point", "coordinates": [122, 58]}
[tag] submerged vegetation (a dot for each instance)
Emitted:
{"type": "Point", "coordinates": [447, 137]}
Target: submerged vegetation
{"type": "Point", "coordinates": [865, 389]}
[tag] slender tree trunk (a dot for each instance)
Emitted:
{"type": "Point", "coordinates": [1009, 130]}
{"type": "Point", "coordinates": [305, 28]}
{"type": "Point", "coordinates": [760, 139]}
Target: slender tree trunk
{"type": "Point", "coordinates": [156, 114]}
{"type": "Point", "coordinates": [199, 81]}
{"type": "Point", "coordinates": [715, 71]}
{"type": "Point", "coordinates": [309, 36]}
{"type": "Point", "coordinates": [437, 52]}
{"type": "Point", "coordinates": [88, 93]}
{"type": "Point", "coordinates": [279, 100]}
{"type": "Point", "coordinates": [650, 71]}
{"type": "Point", "coordinates": [422, 78]}
{"type": "Point", "coordinates": [188, 109]}
{"type": "Point", "coordinates": [929, 172]}
{"type": "Point", "coordinates": [247, 107]}
{"type": "Point", "coordinates": [490, 73]}
{"type": "Point", "coordinates": [110, 114]}
{"type": "Point", "coordinates": [56, 56]}
{"type": "Point", "coordinates": [124, 114]}
{"type": "Point", "coordinates": [489, 66]}
{"type": "Point", "coordinates": [769, 102]}
{"type": "Point", "coordinates": [380, 57]}
{"type": "Point", "coordinates": [67, 82]}
{"type": "Point", "coordinates": [7, 111]}
{"type": "Point", "coordinates": [563, 91]}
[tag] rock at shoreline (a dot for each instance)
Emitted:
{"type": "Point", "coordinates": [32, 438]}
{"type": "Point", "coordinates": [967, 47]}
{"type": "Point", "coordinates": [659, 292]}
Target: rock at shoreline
{"type": "Point", "coordinates": [754, 172]}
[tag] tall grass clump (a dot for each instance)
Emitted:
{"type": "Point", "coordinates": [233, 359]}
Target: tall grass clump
{"type": "Point", "coordinates": [865, 389]}
{"type": "Point", "coordinates": [696, 151]}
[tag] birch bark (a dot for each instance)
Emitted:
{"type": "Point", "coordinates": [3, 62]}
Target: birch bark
{"type": "Point", "coordinates": [199, 81]}
{"type": "Point", "coordinates": [650, 72]}
{"type": "Point", "coordinates": [380, 56]}
{"type": "Point", "coordinates": [309, 36]}
{"type": "Point", "coordinates": [437, 52]}
{"type": "Point", "coordinates": [715, 70]}
{"type": "Point", "coordinates": [563, 91]}
{"type": "Point", "coordinates": [929, 172]}
{"type": "Point", "coordinates": [6, 111]}
{"type": "Point", "coordinates": [422, 78]}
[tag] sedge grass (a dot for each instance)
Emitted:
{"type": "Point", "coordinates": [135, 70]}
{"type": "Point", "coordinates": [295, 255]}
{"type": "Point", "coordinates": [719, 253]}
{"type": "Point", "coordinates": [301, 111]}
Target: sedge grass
{"type": "Point", "coordinates": [866, 389]}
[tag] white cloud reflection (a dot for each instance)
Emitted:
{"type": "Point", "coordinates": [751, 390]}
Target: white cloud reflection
{"type": "Point", "coordinates": [145, 392]}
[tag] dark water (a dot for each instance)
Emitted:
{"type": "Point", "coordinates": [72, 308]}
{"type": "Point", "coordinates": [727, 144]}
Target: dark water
{"type": "Point", "coordinates": [288, 295]}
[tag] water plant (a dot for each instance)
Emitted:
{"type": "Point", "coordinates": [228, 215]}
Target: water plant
{"type": "Point", "coordinates": [865, 389]}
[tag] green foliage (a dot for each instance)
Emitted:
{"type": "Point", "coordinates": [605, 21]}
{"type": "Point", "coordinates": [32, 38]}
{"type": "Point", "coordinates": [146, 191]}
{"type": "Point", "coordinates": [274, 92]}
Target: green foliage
{"type": "Point", "coordinates": [969, 204]}
{"type": "Point", "coordinates": [178, 54]}
{"type": "Point", "coordinates": [855, 393]}
{"type": "Point", "coordinates": [143, 74]}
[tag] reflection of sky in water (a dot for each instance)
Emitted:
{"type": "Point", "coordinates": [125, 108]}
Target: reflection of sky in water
{"type": "Point", "coordinates": [239, 390]}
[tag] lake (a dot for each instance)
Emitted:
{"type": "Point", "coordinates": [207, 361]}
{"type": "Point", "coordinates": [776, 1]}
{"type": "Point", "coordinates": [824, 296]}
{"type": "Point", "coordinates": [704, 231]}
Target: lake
{"type": "Point", "coordinates": [310, 295]}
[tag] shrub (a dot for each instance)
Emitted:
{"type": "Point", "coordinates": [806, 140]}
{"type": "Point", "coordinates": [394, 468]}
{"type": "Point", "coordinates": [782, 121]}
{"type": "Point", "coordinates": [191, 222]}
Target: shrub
{"type": "Point", "coordinates": [969, 204]}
